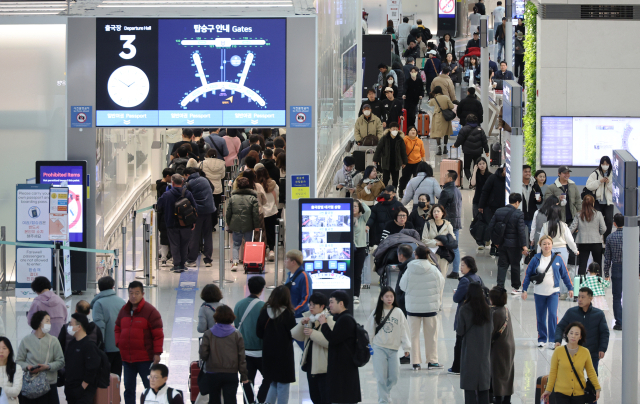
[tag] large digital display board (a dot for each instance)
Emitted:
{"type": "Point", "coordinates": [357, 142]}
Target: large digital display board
{"type": "Point", "coordinates": [582, 141]}
{"type": "Point", "coordinates": [326, 241]}
{"type": "Point", "coordinates": [191, 72]}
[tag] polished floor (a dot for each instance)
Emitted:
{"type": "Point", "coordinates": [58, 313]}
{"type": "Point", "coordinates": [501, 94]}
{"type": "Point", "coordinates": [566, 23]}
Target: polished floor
{"type": "Point", "coordinates": [177, 298]}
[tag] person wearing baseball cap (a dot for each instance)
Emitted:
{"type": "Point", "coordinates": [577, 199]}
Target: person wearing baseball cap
{"type": "Point", "coordinates": [567, 192]}
{"type": "Point", "coordinates": [392, 107]}
{"type": "Point", "coordinates": [368, 127]}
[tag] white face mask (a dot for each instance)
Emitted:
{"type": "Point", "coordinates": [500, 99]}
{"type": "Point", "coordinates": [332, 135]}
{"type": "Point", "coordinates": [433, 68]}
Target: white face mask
{"type": "Point", "coordinates": [390, 81]}
{"type": "Point", "coordinates": [313, 318]}
{"type": "Point", "coordinates": [46, 328]}
{"type": "Point", "coordinates": [394, 133]}
{"type": "Point", "coordinates": [70, 330]}
{"type": "Point", "coordinates": [604, 167]}
{"type": "Point", "coordinates": [366, 113]}
{"type": "Point", "coordinates": [414, 75]}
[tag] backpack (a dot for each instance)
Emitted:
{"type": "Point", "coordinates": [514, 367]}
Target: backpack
{"type": "Point", "coordinates": [103, 377]}
{"type": "Point", "coordinates": [363, 354]}
{"type": "Point", "coordinates": [169, 394]}
{"type": "Point", "coordinates": [497, 235]}
{"type": "Point", "coordinates": [179, 168]}
{"type": "Point", "coordinates": [184, 211]}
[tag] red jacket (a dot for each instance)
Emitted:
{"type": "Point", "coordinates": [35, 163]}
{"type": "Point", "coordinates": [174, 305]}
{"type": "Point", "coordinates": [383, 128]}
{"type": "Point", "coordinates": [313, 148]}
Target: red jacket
{"type": "Point", "coordinates": [139, 336]}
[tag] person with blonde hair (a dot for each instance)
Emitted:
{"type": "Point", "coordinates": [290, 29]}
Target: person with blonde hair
{"type": "Point", "coordinates": [545, 270]}
{"type": "Point", "coordinates": [299, 282]}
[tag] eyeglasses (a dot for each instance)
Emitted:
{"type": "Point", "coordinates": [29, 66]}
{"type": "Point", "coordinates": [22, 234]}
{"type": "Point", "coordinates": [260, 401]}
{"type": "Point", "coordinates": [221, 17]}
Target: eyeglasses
{"type": "Point", "coordinates": [154, 377]}
{"type": "Point", "coordinates": [402, 216]}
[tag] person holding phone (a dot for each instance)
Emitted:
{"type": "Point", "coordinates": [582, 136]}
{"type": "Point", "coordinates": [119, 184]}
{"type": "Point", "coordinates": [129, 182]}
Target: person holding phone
{"type": "Point", "coordinates": [599, 183]}
{"type": "Point", "coordinates": [568, 194]}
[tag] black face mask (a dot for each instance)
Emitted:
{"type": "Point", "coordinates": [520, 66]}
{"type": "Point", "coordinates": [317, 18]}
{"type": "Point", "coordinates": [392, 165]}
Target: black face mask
{"type": "Point", "coordinates": [422, 205]}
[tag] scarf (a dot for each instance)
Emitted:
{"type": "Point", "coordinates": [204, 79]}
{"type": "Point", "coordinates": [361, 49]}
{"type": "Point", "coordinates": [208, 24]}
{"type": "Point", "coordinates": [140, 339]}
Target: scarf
{"type": "Point", "coordinates": [370, 181]}
{"type": "Point", "coordinates": [348, 179]}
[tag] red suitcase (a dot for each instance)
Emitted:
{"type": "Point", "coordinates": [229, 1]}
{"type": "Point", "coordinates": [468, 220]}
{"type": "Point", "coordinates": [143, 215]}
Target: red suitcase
{"type": "Point", "coordinates": [451, 164]}
{"type": "Point", "coordinates": [254, 255]}
{"type": "Point", "coordinates": [110, 395]}
{"type": "Point", "coordinates": [194, 390]}
{"type": "Point", "coordinates": [423, 124]}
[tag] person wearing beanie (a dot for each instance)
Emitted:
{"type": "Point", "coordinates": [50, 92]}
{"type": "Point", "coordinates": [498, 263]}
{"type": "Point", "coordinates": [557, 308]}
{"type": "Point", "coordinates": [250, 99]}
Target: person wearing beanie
{"type": "Point", "coordinates": [347, 178]}
{"type": "Point", "coordinates": [82, 362]}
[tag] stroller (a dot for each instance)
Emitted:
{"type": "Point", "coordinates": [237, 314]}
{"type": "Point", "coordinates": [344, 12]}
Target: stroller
{"type": "Point", "coordinates": [386, 255]}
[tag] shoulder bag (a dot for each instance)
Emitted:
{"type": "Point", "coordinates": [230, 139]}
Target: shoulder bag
{"type": "Point", "coordinates": [247, 311]}
{"type": "Point", "coordinates": [498, 333]}
{"type": "Point", "coordinates": [447, 114]}
{"type": "Point", "coordinates": [383, 322]}
{"type": "Point", "coordinates": [35, 386]}
{"type": "Point", "coordinates": [589, 390]}
{"type": "Point", "coordinates": [538, 278]}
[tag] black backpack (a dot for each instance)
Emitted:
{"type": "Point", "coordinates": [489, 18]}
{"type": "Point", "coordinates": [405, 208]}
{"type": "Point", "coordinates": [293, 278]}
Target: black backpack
{"type": "Point", "coordinates": [586, 191]}
{"type": "Point", "coordinates": [497, 235]}
{"type": "Point", "coordinates": [103, 377]}
{"type": "Point", "coordinates": [184, 211]}
{"type": "Point", "coordinates": [363, 354]}
{"type": "Point", "coordinates": [179, 168]}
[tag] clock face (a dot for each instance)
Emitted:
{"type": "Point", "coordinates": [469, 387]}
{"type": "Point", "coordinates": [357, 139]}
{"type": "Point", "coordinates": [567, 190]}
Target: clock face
{"type": "Point", "coordinates": [128, 86]}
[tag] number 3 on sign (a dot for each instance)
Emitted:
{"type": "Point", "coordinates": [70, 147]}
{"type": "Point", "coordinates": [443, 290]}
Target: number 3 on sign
{"type": "Point", "coordinates": [127, 45]}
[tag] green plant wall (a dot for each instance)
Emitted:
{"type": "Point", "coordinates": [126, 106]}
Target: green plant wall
{"type": "Point", "coordinates": [530, 61]}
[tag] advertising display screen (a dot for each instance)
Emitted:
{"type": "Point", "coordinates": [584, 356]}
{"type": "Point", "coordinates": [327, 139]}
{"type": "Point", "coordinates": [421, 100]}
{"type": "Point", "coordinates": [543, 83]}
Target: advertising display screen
{"type": "Point", "coordinates": [190, 72]}
{"type": "Point", "coordinates": [326, 237]}
{"type": "Point", "coordinates": [446, 8]}
{"type": "Point", "coordinates": [582, 141]}
{"type": "Point", "coordinates": [75, 177]}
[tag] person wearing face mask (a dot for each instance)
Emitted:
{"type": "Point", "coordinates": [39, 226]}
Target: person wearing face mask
{"type": "Point", "coordinates": [346, 179]}
{"type": "Point", "coordinates": [413, 93]}
{"type": "Point", "coordinates": [375, 104]}
{"type": "Point", "coordinates": [392, 107]}
{"type": "Point", "coordinates": [41, 352]}
{"type": "Point", "coordinates": [368, 127]}
{"type": "Point", "coordinates": [49, 302]}
{"type": "Point", "coordinates": [382, 76]}
{"type": "Point", "coordinates": [391, 83]}
{"type": "Point", "coordinates": [567, 192]}
{"type": "Point", "coordinates": [440, 127]}
{"type": "Point", "coordinates": [599, 184]}
{"type": "Point", "coordinates": [316, 347]}
{"type": "Point", "coordinates": [423, 183]}
{"type": "Point", "coordinates": [419, 216]}
{"type": "Point", "coordinates": [95, 335]}
{"type": "Point", "coordinates": [82, 361]}
{"type": "Point", "coordinates": [391, 154]}
{"type": "Point", "coordinates": [415, 154]}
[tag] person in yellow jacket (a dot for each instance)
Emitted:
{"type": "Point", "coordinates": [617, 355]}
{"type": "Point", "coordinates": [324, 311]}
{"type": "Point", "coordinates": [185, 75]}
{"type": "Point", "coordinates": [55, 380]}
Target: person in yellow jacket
{"type": "Point", "coordinates": [562, 379]}
{"type": "Point", "coordinates": [415, 154]}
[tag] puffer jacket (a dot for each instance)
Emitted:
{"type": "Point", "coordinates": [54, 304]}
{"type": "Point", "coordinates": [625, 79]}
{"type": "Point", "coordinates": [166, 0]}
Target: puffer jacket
{"type": "Point", "coordinates": [215, 171]}
{"type": "Point", "coordinates": [594, 322]}
{"type": "Point", "coordinates": [594, 184]}
{"type": "Point", "coordinates": [243, 211]}
{"type": "Point", "coordinates": [364, 127]}
{"type": "Point", "coordinates": [452, 202]}
{"type": "Point", "coordinates": [272, 192]}
{"type": "Point", "coordinates": [202, 193]}
{"type": "Point", "coordinates": [382, 156]}
{"type": "Point", "coordinates": [413, 89]}
{"type": "Point", "coordinates": [139, 336]}
{"type": "Point", "coordinates": [419, 185]}
{"type": "Point", "coordinates": [381, 214]}
{"type": "Point", "coordinates": [472, 139]}
{"type": "Point", "coordinates": [469, 105]}
{"type": "Point", "coordinates": [54, 306]}
{"type": "Point", "coordinates": [493, 192]}
{"type": "Point", "coordinates": [515, 232]}
{"type": "Point", "coordinates": [423, 285]}
{"type": "Point", "coordinates": [106, 307]}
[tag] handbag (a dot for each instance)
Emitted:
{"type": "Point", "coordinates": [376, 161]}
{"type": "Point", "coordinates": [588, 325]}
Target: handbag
{"type": "Point", "coordinates": [383, 322]}
{"type": "Point", "coordinates": [527, 258]}
{"type": "Point", "coordinates": [447, 114]}
{"type": "Point", "coordinates": [538, 278]}
{"type": "Point", "coordinates": [498, 333]}
{"type": "Point", "coordinates": [589, 389]}
{"type": "Point", "coordinates": [34, 386]}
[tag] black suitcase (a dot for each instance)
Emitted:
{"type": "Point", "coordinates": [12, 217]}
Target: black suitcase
{"type": "Point", "coordinates": [363, 155]}
{"type": "Point", "coordinates": [495, 154]}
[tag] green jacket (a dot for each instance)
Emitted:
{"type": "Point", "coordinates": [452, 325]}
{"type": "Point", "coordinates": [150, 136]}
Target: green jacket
{"type": "Point", "coordinates": [573, 197]}
{"type": "Point", "coordinates": [248, 330]}
{"type": "Point", "coordinates": [243, 212]}
{"type": "Point", "coordinates": [382, 156]}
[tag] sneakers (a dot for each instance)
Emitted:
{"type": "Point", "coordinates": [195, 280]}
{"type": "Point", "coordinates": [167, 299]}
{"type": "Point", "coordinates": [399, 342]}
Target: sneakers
{"type": "Point", "coordinates": [480, 248]}
{"type": "Point", "coordinates": [272, 256]}
{"type": "Point", "coordinates": [207, 264]}
{"type": "Point", "coordinates": [405, 360]}
{"type": "Point", "coordinates": [493, 251]}
{"type": "Point", "coordinates": [177, 270]}
{"type": "Point", "coordinates": [439, 152]}
{"type": "Point", "coordinates": [356, 300]}
{"type": "Point", "coordinates": [365, 287]}
{"type": "Point", "coordinates": [234, 267]}
{"type": "Point", "coordinates": [551, 345]}
{"type": "Point", "coordinates": [431, 366]}
{"type": "Point", "coordinates": [563, 296]}
{"type": "Point", "coordinates": [416, 367]}
{"type": "Point", "coordinates": [541, 344]}
{"type": "Point", "coordinates": [190, 264]}
{"type": "Point", "coordinates": [516, 291]}
{"type": "Point", "coordinates": [453, 275]}
{"type": "Point", "coordinates": [452, 372]}
{"type": "Point", "coordinates": [163, 263]}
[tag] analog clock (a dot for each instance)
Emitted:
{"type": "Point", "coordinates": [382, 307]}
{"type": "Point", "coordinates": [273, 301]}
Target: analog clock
{"type": "Point", "coordinates": [128, 86]}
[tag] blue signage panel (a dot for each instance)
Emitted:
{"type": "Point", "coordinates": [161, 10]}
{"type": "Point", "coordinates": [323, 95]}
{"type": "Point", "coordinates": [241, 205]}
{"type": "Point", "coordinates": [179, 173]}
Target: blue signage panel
{"type": "Point", "coordinates": [300, 117]}
{"type": "Point", "coordinates": [81, 116]}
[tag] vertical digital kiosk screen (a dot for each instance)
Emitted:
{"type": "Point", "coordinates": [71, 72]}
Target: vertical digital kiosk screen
{"type": "Point", "coordinates": [326, 242]}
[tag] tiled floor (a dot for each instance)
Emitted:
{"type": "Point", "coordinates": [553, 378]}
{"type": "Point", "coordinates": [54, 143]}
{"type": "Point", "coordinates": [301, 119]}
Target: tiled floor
{"type": "Point", "coordinates": [413, 387]}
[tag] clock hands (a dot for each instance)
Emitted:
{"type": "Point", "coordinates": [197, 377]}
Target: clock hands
{"type": "Point", "coordinates": [128, 85]}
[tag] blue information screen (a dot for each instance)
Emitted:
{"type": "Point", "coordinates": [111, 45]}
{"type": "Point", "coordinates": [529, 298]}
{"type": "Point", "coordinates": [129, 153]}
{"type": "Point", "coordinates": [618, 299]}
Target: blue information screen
{"type": "Point", "coordinates": [197, 72]}
{"type": "Point", "coordinates": [74, 176]}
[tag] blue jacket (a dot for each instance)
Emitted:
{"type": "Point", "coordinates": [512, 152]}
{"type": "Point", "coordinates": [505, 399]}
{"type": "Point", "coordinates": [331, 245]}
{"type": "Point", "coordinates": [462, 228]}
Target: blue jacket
{"type": "Point", "coordinates": [559, 271]}
{"type": "Point", "coordinates": [219, 144]}
{"type": "Point", "coordinates": [167, 205]}
{"type": "Point", "coordinates": [106, 306]}
{"type": "Point", "coordinates": [202, 192]}
{"type": "Point", "coordinates": [301, 290]}
{"type": "Point", "coordinates": [461, 293]}
{"type": "Point", "coordinates": [594, 322]}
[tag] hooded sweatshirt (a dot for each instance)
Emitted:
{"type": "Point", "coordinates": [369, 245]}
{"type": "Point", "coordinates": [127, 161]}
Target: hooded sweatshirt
{"type": "Point", "coordinates": [106, 306]}
{"type": "Point", "coordinates": [222, 349]}
{"type": "Point", "coordinates": [51, 303]}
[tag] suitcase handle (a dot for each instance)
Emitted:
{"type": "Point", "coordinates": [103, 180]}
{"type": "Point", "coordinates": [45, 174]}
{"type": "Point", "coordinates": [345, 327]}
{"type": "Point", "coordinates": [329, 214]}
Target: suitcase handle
{"type": "Point", "coordinates": [245, 394]}
{"type": "Point", "coordinates": [253, 233]}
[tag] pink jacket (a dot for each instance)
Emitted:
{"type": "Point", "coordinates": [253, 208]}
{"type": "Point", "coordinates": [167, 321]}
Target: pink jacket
{"type": "Point", "coordinates": [233, 144]}
{"type": "Point", "coordinates": [52, 304]}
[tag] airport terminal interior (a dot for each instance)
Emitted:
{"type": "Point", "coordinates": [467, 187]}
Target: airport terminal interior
{"type": "Point", "coordinates": [102, 89]}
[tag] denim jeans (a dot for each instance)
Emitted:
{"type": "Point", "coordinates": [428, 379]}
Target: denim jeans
{"type": "Point", "coordinates": [278, 393]}
{"type": "Point", "coordinates": [500, 49]}
{"type": "Point", "coordinates": [385, 367]}
{"type": "Point", "coordinates": [546, 306]}
{"type": "Point", "coordinates": [456, 258]}
{"type": "Point", "coordinates": [616, 287]}
{"type": "Point", "coordinates": [237, 242]}
{"type": "Point", "coordinates": [131, 372]}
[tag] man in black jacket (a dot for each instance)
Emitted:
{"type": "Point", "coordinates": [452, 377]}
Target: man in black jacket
{"type": "Point", "coordinates": [413, 93]}
{"type": "Point", "coordinates": [470, 105]}
{"type": "Point", "coordinates": [82, 307]}
{"type": "Point", "coordinates": [451, 199]}
{"type": "Point", "coordinates": [202, 191]}
{"type": "Point", "coordinates": [529, 203]}
{"type": "Point", "coordinates": [376, 105]}
{"type": "Point", "coordinates": [406, 69]}
{"type": "Point", "coordinates": [412, 50]}
{"type": "Point", "coordinates": [473, 141]}
{"type": "Point", "coordinates": [161, 187]}
{"type": "Point", "coordinates": [392, 107]}
{"type": "Point", "coordinates": [344, 378]}
{"type": "Point", "coordinates": [269, 162]}
{"type": "Point", "coordinates": [481, 9]}
{"type": "Point", "coordinates": [382, 213]}
{"type": "Point", "coordinates": [492, 199]}
{"type": "Point", "coordinates": [474, 42]}
{"type": "Point", "coordinates": [513, 243]}
{"type": "Point", "coordinates": [82, 362]}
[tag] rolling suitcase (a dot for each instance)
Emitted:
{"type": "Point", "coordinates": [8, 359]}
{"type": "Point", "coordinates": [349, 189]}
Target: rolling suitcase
{"type": "Point", "coordinates": [495, 153]}
{"type": "Point", "coordinates": [541, 385]}
{"type": "Point", "coordinates": [423, 122]}
{"type": "Point", "coordinates": [110, 395]}
{"type": "Point", "coordinates": [254, 255]}
{"type": "Point", "coordinates": [194, 389]}
{"type": "Point", "coordinates": [363, 156]}
{"type": "Point", "coordinates": [451, 164]}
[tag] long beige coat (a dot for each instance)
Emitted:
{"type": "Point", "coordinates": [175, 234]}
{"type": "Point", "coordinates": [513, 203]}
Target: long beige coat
{"type": "Point", "coordinates": [440, 127]}
{"type": "Point", "coordinates": [448, 89]}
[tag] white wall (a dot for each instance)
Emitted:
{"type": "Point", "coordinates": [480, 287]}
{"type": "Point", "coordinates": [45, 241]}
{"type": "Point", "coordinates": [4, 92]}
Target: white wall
{"type": "Point", "coordinates": [426, 10]}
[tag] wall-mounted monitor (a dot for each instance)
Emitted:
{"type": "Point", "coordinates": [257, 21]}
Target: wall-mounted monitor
{"type": "Point", "coordinates": [191, 72]}
{"type": "Point", "coordinates": [582, 141]}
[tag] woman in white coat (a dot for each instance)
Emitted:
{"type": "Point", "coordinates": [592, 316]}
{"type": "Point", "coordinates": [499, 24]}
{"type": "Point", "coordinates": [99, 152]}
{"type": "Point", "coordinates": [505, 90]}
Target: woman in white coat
{"type": "Point", "coordinates": [599, 182]}
{"type": "Point", "coordinates": [10, 373]}
{"type": "Point", "coordinates": [423, 285]}
{"type": "Point", "coordinates": [437, 226]}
